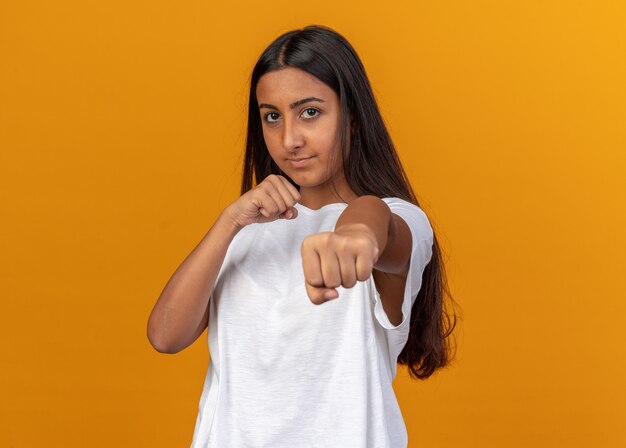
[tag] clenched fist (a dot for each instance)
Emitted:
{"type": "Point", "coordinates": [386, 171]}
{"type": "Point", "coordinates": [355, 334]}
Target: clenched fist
{"type": "Point", "coordinates": [339, 258]}
{"type": "Point", "coordinates": [274, 198]}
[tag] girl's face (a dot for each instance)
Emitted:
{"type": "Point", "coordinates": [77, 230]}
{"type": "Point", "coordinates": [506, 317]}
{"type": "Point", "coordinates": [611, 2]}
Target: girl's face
{"type": "Point", "coordinates": [300, 120]}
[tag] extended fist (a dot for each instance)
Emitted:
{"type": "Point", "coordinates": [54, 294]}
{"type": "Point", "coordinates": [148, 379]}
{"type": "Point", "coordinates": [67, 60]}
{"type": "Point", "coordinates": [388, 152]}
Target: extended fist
{"type": "Point", "coordinates": [339, 258]}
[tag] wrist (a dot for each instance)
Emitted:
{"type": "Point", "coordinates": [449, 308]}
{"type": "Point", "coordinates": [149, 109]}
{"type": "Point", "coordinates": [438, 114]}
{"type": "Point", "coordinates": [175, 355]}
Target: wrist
{"type": "Point", "coordinates": [227, 219]}
{"type": "Point", "coordinates": [355, 227]}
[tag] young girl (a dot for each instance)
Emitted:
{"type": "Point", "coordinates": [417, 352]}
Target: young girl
{"type": "Point", "coordinates": [317, 281]}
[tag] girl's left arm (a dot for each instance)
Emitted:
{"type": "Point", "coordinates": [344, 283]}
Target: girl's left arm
{"type": "Point", "coordinates": [368, 240]}
{"type": "Point", "coordinates": [390, 231]}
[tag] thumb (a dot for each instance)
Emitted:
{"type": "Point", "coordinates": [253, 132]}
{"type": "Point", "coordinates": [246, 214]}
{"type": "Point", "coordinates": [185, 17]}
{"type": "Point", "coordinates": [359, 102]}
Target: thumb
{"type": "Point", "coordinates": [289, 214]}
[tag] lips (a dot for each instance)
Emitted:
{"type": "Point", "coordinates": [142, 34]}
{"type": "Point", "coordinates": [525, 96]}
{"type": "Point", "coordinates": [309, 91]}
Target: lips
{"type": "Point", "coordinates": [300, 162]}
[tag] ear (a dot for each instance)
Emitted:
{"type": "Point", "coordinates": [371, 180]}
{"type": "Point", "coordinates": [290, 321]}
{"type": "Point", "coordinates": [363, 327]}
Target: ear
{"type": "Point", "coordinates": [352, 125]}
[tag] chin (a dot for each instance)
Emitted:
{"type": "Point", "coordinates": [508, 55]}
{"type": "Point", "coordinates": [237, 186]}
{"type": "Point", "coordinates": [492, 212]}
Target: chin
{"type": "Point", "coordinates": [304, 178]}
{"type": "Point", "coordinates": [307, 183]}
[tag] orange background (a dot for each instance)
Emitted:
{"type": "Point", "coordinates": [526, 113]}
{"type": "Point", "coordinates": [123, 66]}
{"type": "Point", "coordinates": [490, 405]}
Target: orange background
{"type": "Point", "coordinates": [121, 134]}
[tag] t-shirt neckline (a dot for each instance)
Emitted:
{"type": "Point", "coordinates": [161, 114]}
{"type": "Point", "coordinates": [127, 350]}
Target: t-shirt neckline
{"type": "Point", "coordinates": [310, 211]}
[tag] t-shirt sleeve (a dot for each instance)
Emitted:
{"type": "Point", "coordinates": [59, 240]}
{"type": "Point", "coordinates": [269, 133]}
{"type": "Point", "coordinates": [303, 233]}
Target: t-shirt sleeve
{"type": "Point", "coordinates": [421, 253]}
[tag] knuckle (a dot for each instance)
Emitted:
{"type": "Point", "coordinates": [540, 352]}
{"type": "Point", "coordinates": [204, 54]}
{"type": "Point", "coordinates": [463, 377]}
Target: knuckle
{"type": "Point", "coordinates": [316, 281]}
{"type": "Point", "coordinates": [350, 280]}
{"type": "Point", "coordinates": [334, 281]}
{"type": "Point", "coordinates": [344, 245]}
{"type": "Point", "coordinates": [362, 243]}
{"type": "Point", "coordinates": [290, 200]}
{"type": "Point", "coordinates": [310, 241]}
{"type": "Point", "coordinates": [363, 274]}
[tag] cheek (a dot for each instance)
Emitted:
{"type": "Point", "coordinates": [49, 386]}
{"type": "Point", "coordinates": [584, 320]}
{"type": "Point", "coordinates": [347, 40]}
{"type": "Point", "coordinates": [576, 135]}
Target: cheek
{"type": "Point", "coordinates": [327, 142]}
{"type": "Point", "coordinates": [269, 143]}
{"type": "Point", "coordinates": [332, 144]}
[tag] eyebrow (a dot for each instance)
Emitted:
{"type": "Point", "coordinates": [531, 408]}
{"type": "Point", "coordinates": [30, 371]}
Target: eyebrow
{"type": "Point", "coordinates": [292, 105]}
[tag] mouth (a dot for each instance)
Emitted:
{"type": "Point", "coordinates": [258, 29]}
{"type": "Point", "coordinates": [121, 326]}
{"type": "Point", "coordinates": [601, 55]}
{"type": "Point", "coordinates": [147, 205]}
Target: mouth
{"type": "Point", "coordinates": [301, 161]}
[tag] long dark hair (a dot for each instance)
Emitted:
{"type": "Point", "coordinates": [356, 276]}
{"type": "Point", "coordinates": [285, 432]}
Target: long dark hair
{"type": "Point", "coordinates": [372, 168]}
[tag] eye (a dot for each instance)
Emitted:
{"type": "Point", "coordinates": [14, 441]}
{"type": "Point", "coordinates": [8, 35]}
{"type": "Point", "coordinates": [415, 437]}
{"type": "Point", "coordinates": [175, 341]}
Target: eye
{"type": "Point", "coordinates": [309, 111]}
{"type": "Point", "coordinates": [312, 109]}
{"type": "Point", "coordinates": [267, 115]}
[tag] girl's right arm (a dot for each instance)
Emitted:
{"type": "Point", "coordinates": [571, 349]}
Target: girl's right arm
{"type": "Point", "coordinates": [182, 313]}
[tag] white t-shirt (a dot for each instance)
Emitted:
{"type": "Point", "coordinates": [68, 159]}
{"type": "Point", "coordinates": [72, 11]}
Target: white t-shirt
{"type": "Point", "coordinates": [284, 372]}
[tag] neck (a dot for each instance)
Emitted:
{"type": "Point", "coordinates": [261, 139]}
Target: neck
{"type": "Point", "coordinates": [319, 196]}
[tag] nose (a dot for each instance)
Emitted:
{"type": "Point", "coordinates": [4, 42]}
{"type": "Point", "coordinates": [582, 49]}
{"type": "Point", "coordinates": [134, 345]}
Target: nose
{"type": "Point", "coordinates": [292, 135]}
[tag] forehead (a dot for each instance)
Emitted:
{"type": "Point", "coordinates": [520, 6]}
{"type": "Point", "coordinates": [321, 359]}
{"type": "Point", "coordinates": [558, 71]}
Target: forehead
{"type": "Point", "coordinates": [288, 83]}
